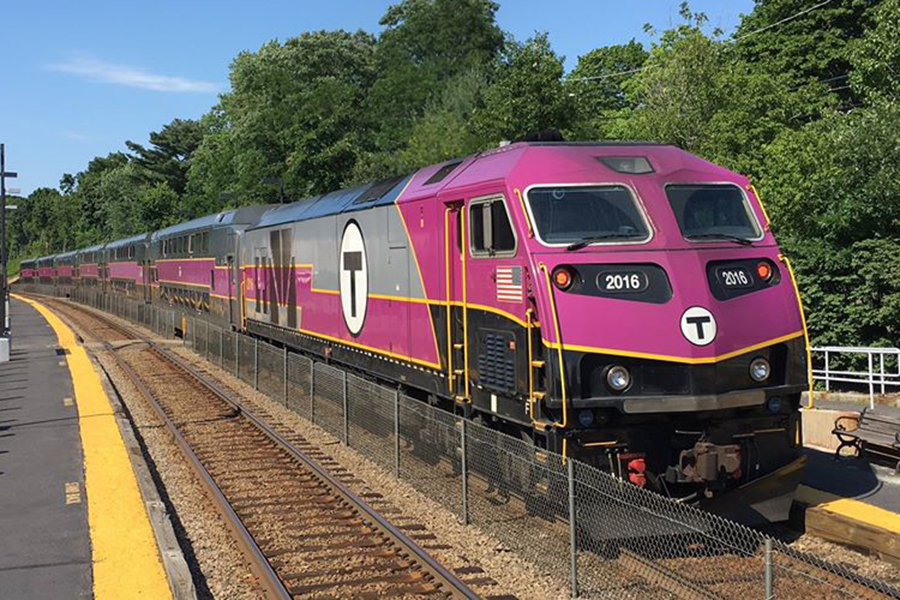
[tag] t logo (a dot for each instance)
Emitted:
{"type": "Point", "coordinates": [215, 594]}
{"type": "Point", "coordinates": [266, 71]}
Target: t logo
{"type": "Point", "coordinates": [354, 278]}
{"type": "Point", "coordinates": [353, 263]}
{"type": "Point", "coordinates": [698, 326]}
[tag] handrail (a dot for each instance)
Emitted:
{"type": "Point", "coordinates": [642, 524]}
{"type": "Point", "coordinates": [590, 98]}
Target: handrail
{"type": "Point", "coordinates": [809, 369]}
{"type": "Point", "coordinates": [447, 211]}
{"type": "Point", "coordinates": [562, 367]}
{"type": "Point", "coordinates": [869, 377]}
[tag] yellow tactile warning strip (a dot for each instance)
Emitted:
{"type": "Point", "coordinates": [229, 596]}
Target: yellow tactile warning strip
{"type": "Point", "coordinates": [850, 508]}
{"type": "Point", "coordinates": [125, 558]}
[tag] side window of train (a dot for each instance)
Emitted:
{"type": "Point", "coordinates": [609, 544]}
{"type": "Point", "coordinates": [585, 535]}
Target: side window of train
{"type": "Point", "coordinates": [491, 232]}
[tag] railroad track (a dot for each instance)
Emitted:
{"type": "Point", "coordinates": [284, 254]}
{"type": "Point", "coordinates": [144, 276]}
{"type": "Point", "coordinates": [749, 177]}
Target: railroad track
{"type": "Point", "coordinates": [305, 534]}
{"type": "Point", "coordinates": [700, 576]}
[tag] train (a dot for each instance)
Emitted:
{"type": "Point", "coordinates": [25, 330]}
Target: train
{"type": "Point", "coordinates": [625, 304]}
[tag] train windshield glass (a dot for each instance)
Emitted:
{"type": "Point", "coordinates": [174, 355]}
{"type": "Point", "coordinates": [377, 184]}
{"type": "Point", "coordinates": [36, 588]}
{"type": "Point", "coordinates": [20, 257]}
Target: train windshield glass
{"type": "Point", "coordinates": [708, 211]}
{"type": "Point", "coordinates": [580, 215]}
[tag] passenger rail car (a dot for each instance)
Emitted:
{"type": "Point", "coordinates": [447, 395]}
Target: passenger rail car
{"type": "Point", "coordinates": [46, 270]}
{"type": "Point", "coordinates": [193, 264]}
{"type": "Point", "coordinates": [626, 304]}
{"type": "Point", "coordinates": [28, 272]}
{"type": "Point", "coordinates": [91, 262]}
{"type": "Point", "coordinates": [127, 267]}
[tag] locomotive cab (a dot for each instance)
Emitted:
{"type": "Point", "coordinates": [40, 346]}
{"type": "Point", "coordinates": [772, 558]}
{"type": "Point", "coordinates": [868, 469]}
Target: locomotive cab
{"type": "Point", "coordinates": [666, 342]}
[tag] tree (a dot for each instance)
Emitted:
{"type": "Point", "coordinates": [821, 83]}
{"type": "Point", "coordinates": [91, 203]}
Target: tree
{"type": "Point", "coordinates": [814, 45]}
{"type": "Point", "coordinates": [294, 112]}
{"type": "Point", "coordinates": [425, 44]}
{"type": "Point", "coordinates": [598, 86]}
{"type": "Point", "coordinates": [876, 56]}
{"type": "Point", "coordinates": [168, 158]}
{"type": "Point", "coordinates": [833, 191]}
{"type": "Point", "coordinates": [527, 94]}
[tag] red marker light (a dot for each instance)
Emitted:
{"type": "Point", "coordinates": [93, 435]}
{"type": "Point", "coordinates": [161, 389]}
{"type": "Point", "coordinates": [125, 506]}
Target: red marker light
{"type": "Point", "coordinates": [562, 278]}
{"type": "Point", "coordinates": [764, 271]}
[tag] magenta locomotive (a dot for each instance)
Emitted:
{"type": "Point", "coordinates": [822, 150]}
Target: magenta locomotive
{"type": "Point", "coordinates": [625, 304]}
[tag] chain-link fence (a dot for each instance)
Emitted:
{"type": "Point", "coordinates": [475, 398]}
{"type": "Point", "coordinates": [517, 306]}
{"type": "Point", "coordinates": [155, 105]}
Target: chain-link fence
{"type": "Point", "coordinates": [601, 536]}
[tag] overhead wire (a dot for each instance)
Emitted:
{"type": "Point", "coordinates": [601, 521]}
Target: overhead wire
{"type": "Point", "coordinates": [624, 72]}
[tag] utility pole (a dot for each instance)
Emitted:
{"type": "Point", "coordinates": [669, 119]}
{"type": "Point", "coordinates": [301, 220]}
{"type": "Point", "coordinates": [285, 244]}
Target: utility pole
{"type": "Point", "coordinates": [4, 290]}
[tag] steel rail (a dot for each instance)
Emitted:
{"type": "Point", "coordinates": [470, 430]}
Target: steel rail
{"type": "Point", "coordinates": [273, 586]}
{"type": "Point", "coordinates": [443, 577]}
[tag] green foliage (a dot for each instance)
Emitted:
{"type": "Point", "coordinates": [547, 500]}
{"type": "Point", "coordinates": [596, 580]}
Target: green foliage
{"type": "Point", "coordinates": [876, 56]}
{"type": "Point", "coordinates": [168, 158]}
{"type": "Point", "coordinates": [527, 94]}
{"type": "Point", "coordinates": [598, 85]}
{"type": "Point", "coordinates": [833, 191]}
{"type": "Point", "coordinates": [814, 46]}
{"type": "Point", "coordinates": [425, 44]}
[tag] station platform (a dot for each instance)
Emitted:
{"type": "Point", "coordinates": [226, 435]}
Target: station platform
{"type": "Point", "coordinates": [849, 500]}
{"type": "Point", "coordinates": [72, 520]}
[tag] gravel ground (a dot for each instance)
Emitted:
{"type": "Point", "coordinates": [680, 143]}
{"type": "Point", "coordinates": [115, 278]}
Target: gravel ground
{"type": "Point", "coordinates": [455, 545]}
{"type": "Point", "coordinates": [216, 563]}
{"type": "Point", "coordinates": [857, 562]}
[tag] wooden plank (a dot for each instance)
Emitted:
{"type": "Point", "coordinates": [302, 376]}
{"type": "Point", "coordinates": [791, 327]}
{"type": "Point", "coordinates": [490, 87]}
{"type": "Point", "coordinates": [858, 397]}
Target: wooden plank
{"type": "Point", "coordinates": [844, 529]}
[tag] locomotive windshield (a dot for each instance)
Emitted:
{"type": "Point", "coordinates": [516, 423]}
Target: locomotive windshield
{"type": "Point", "coordinates": [711, 211]}
{"type": "Point", "coordinates": [580, 215]}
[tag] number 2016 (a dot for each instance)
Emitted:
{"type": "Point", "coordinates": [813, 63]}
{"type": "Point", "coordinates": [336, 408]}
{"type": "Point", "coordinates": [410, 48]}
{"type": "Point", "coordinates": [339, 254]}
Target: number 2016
{"type": "Point", "coordinates": [623, 282]}
{"type": "Point", "coordinates": [736, 278]}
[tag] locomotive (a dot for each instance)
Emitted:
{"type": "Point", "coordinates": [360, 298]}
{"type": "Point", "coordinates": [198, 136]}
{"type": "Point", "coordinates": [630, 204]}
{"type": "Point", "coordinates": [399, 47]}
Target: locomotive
{"type": "Point", "coordinates": [623, 304]}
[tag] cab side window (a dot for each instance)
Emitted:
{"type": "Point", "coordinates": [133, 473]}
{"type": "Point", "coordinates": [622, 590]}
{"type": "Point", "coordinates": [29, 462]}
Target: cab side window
{"type": "Point", "coordinates": [490, 229]}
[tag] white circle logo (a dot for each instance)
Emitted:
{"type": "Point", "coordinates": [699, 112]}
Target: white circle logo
{"type": "Point", "coordinates": [354, 278]}
{"type": "Point", "coordinates": [698, 326]}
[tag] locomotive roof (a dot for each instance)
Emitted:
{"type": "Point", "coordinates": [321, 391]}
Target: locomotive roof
{"type": "Point", "coordinates": [70, 254]}
{"type": "Point", "coordinates": [518, 159]}
{"type": "Point", "coordinates": [93, 248]}
{"type": "Point", "coordinates": [126, 241]}
{"type": "Point", "coordinates": [361, 197]}
{"type": "Point", "coordinates": [242, 216]}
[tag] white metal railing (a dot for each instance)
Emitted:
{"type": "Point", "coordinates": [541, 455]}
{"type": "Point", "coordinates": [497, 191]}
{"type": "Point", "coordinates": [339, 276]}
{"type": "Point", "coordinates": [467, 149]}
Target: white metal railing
{"type": "Point", "coordinates": [878, 374]}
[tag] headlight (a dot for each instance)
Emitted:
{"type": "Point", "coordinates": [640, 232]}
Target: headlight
{"type": "Point", "coordinates": [618, 378]}
{"type": "Point", "coordinates": [760, 369]}
{"type": "Point", "coordinates": [774, 404]}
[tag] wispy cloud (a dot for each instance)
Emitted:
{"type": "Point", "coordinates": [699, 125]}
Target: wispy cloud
{"type": "Point", "coordinates": [74, 135]}
{"type": "Point", "coordinates": [105, 72]}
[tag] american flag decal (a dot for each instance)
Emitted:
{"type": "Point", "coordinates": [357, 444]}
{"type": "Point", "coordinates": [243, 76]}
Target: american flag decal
{"type": "Point", "coordinates": [509, 284]}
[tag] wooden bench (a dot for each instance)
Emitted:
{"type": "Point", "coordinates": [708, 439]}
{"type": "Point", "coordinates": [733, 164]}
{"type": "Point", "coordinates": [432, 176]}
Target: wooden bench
{"type": "Point", "coordinates": [875, 433]}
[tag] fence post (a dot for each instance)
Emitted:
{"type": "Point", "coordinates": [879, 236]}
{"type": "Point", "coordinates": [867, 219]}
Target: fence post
{"type": "Point", "coordinates": [285, 379]}
{"type": "Point", "coordinates": [871, 381]}
{"type": "Point", "coordinates": [222, 348]}
{"type": "Point", "coordinates": [573, 538]}
{"type": "Point", "coordinates": [827, 369]}
{"type": "Point", "coordinates": [397, 433]}
{"type": "Point", "coordinates": [881, 359]}
{"type": "Point", "coordinates": [312, 391]}
{"type": "Point", "coordinates": [770, 587]}
{"type": "Point", "coordinates": [464, 467]}
{"type": "Point", "coordinates": [346, 415]}
{"type": "Point", "coordinates": [237, 354]}
{"type": "Point", "coordinates": [207, 340]}
{"type": "Point", "coordinates": [256, 363]}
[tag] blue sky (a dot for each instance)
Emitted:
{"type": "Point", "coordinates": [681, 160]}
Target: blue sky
{"type": "Point", "coordinates": [80, 78]}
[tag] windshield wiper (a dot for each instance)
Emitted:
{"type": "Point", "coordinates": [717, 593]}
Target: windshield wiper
{"type": "Point", "coordinates": [599, 238]}
{"type": "Point", "coordinates": [720, 236]}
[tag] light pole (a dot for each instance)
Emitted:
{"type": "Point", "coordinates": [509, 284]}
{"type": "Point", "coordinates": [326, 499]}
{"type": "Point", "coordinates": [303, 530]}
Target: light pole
{"type": "Point", "coordinates": [4, 290]}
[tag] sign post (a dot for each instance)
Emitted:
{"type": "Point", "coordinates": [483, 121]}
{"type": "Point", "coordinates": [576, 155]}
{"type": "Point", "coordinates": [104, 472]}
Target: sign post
{"type": "Point", "coordinates": [4, 288]}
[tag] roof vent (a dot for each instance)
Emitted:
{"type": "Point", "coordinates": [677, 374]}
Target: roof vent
{"type": "Point", "coordinates": [442, 173]}
{"type": "Point", "coordinates": [632, 165]}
